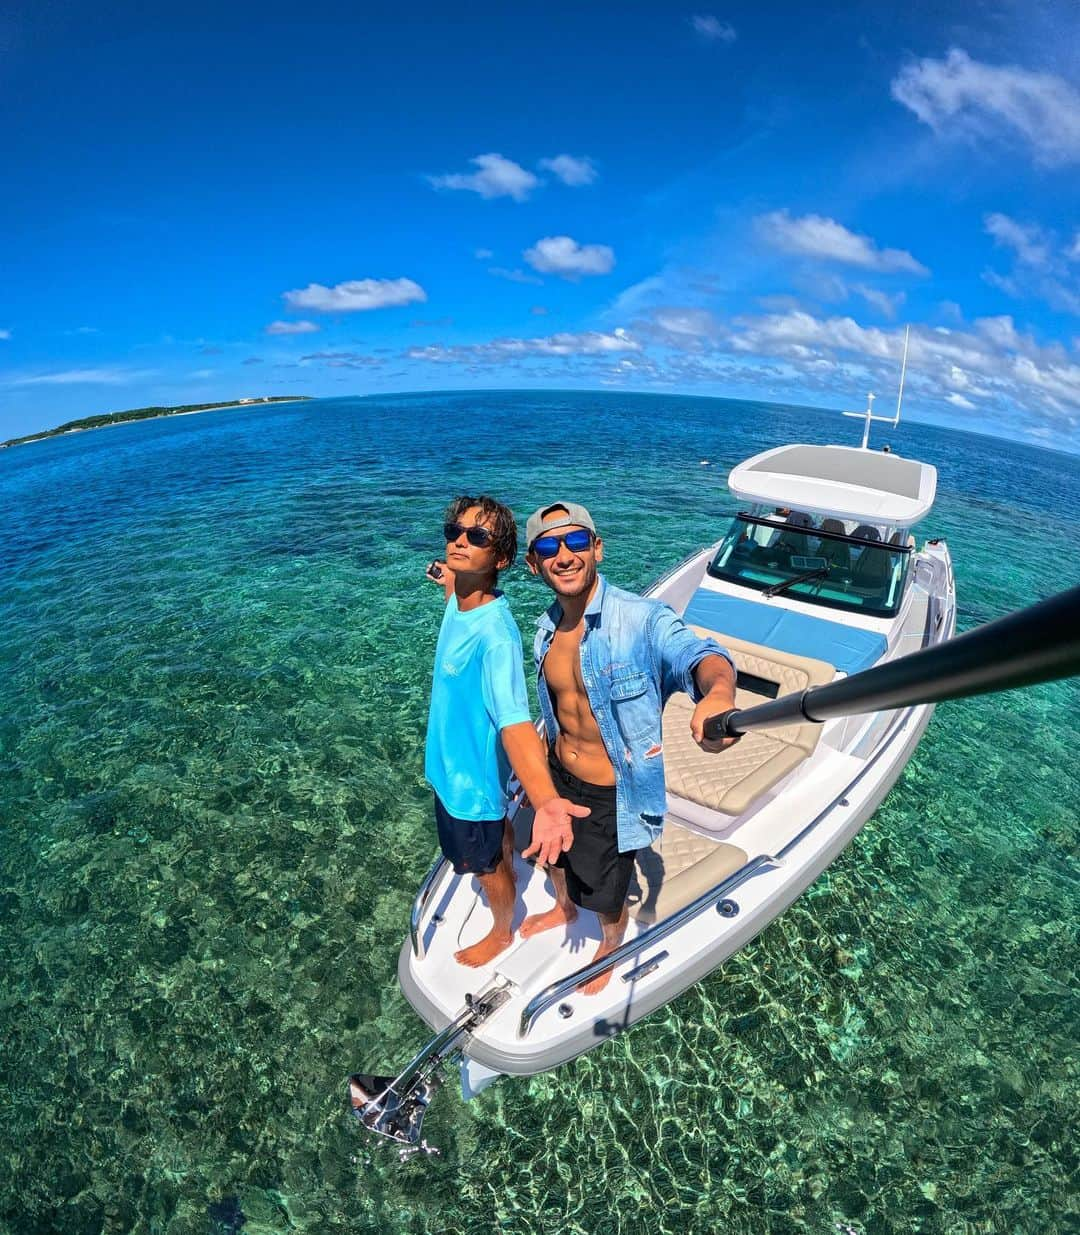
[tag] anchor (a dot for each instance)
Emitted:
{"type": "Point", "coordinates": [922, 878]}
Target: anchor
{"type": "Point", "coordinates": [394, 1106]}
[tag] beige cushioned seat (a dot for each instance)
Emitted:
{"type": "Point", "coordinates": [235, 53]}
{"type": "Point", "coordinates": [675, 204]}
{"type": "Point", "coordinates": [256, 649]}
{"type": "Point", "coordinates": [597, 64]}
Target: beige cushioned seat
{"type": "Point", "coordinates": [730, 781]}
{"type": "Point", "coordinates": [676, 869]}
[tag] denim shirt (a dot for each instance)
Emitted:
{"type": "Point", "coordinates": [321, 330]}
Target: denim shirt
{"type": "Point", "coordinates": [635, 654]}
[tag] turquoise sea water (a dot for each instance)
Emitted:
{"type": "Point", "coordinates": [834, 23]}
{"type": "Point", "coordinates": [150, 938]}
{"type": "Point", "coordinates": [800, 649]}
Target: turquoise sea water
{"type": "Point", "coordinates": [215, 644]}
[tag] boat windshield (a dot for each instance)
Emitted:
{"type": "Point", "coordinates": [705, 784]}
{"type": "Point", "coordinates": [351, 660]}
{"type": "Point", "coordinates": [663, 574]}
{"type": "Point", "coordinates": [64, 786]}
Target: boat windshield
{"type": "Point", "coordinates": [834, 564]}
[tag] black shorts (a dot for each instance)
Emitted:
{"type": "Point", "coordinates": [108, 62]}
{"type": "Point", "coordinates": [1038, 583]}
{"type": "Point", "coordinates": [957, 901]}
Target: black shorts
{"type": "Point", "coordinates": [597, 874]}
{"type": "Point", "coordinates": [471, 846]}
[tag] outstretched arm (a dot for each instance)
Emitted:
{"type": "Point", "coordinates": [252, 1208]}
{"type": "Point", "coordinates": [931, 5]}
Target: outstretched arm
{"type": "Point", "coordinates": [438, 572]}
{"type": "Point", "coordinates": [552, 832]}
{"type": "Point", "coordinates": [715, 679]}
{"type": "Point", "coordinates": [698, 665]}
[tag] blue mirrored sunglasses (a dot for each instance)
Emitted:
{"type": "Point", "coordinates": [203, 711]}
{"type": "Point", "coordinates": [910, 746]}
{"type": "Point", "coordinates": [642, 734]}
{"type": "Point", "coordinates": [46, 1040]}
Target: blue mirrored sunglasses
{"type": "Point", "coordinates": [576, 541]}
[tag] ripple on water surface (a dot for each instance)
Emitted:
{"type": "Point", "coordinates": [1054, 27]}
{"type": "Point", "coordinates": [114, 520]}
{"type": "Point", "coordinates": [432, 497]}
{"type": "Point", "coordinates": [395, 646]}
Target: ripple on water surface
{"type": "Point", "coordinates": [214, 655]}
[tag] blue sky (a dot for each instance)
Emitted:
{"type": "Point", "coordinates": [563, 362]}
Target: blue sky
{"type": "Point", "coordinates": [746, 201]}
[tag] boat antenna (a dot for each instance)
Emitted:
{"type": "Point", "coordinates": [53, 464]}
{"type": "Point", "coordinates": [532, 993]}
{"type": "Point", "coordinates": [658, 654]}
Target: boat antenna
{"type": "Point", "coordinates": [868, 415]}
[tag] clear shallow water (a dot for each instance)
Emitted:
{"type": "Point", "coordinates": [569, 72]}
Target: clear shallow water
{"type": "Point", "coordinates": [215, 644]}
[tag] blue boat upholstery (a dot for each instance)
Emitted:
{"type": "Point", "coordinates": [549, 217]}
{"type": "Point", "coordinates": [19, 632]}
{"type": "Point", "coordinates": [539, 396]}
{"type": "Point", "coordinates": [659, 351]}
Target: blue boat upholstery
{"type": "Point", "coordinates": [847, 647]}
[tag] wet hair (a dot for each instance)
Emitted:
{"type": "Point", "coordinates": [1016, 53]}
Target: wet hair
{"type": "Point", "coordinates": [501, 519]}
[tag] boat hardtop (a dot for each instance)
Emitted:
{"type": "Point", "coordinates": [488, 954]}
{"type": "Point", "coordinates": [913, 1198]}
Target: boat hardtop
{"type": "Point", "coordinates": [842, 482]}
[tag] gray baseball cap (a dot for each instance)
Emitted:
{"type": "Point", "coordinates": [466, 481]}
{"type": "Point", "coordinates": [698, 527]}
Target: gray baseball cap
{"type": "Point", "coordinates": [576, 516]}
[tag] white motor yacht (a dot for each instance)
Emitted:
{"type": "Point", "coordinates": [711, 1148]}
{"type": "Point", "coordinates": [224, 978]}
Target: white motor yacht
{"type": "Point", "coordinates": [817, 578]}
{"type": "Point", "coordinates": [841, 628]}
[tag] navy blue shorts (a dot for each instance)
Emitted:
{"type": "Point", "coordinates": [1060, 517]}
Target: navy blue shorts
{"type": "Point", "coordinates": [471, 846]}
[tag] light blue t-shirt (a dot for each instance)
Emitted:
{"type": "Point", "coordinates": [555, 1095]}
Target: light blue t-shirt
{"type": "Point", "coordinates": [478, 688]}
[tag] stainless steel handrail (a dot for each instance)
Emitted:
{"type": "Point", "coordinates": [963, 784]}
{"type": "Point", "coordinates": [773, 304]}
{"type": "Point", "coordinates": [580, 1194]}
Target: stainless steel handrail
{"type": "Point", "coordinates": [556, 990]}
{"type": "Point", "coordinates": [422, 897]}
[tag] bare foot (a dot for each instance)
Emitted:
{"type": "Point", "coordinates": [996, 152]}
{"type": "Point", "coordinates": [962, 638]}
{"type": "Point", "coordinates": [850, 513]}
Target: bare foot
{"type": "Point", "coordinates": [537, 922]}
{"type": "Point", "coordinates": [487, 949]}
{"type": "Point", "coordinates": [595, 985]}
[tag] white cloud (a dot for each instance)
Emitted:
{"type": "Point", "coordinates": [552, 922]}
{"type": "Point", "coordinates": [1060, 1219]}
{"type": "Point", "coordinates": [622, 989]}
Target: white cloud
{"type": "Point", "coordinates": [1058, 296]}
{"type": "Point", "coordinates": [1002, 332]}
{"type": "Point", "coordinates": [813, 235]}
{"type": "Point", "coordinates": [1003, 283]}
{"type": "Point", "coordinates": [483, 255]}
{"type": "Point", "coordinates": [1073, 252]}
{"type": "Point", "coordinates": [885, 304]}
{"type": "Point", "coordinates": [689, 322]}
{"type": "Point", "coordinates": [495, 177]}
{"type": "Point", "coordinates": [961, 96]}
{"type": "Point", "coordinates": [356, 295]}
{"type": "Point", "coordinates": [5, 334]}
{"type": "Point", "coordinates": [570, 170]}
{"type": "Point", "coordinates": [586, 343]}
{"type": "Point", "coordinates": [1041, 268]}
{"type": "Point", "coordinates": [344, 360]}
{"type": "Point", "coordinates": [991, 371]}
{"type": "Point", "coordinates": [292, 327]}
{"type": "Point", "coordinates": [713, 28]}
{"type": "Point", "coordinates": [821, 284]}
{"type": "Point", "coordinates": [89, 377]}
{"type": "Point", "coordinates": [633, 298]}
{"type": "Point", "coordinates": [565, 257]}
{"type": "Point", "coordinates": [515, 276]}
{"type": "Point", "coordinates": [1009, 371]}
{"type": "Point", "coordinates": [1025, 240]}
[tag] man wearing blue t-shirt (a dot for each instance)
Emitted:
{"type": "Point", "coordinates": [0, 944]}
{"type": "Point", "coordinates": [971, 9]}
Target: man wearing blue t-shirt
{"type": "Point", "coordinates": [478, 724]}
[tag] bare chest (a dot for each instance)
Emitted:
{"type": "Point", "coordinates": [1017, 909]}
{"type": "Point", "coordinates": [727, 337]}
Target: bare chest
{"type": "Point", "coordinates": [562, 664]}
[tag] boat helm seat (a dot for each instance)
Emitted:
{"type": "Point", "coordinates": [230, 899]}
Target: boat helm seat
{"type": "Point", "coordinates": [872, 570]}
{"type": "Point", "coordinates": [835, 552]}
{"type": "Point", "coordinates": [794, 541]}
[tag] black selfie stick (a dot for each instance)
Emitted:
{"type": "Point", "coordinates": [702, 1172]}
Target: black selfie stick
{"type": "Point", "coordinates": [1037, 644]}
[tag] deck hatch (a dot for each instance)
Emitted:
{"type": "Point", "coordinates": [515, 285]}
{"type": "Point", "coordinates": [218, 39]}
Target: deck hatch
{"type": "Point", "coordinates": [757, 685]}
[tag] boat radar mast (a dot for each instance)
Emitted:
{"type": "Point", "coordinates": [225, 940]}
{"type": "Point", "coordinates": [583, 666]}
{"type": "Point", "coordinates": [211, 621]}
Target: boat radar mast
{"type": "Point", "coordinates": [868, 415]}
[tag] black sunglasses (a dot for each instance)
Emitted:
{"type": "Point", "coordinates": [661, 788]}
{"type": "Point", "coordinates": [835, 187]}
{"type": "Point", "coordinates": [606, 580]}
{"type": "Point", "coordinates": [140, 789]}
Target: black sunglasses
{"type": "Point", "coordinates": [576, 541]}
{"type": "Point", "coordinates": [478, 537]}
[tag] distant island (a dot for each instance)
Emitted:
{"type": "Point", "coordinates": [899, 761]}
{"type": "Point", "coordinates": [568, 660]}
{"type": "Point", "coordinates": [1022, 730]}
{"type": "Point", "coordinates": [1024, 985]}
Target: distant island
{"type": "Point", "coordinates": [146, 413]}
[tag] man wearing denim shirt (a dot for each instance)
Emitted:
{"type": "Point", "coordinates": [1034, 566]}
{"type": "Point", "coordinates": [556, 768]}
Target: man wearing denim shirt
{"type": "Point", "coordinates": [607, 661]}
